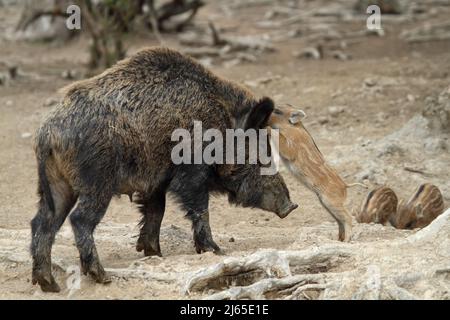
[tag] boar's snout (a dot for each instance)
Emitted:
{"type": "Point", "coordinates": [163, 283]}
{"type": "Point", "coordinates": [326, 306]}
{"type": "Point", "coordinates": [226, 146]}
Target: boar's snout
{"type": "Point", "coordinates": [275, 196]}
{"type": "Point", "coordinates": [286, 210]}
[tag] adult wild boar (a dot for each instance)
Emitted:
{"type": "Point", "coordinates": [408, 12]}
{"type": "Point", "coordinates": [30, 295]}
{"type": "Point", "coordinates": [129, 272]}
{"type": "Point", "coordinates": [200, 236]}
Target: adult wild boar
{"type": "Point", "coordinates": [111, 135]}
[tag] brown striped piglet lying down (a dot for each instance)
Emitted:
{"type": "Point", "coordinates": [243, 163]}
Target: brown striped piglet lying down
{"type": "Point", "coordinates": [304, 160]}
{"type": "Point", "coordinates": [424, 206]}
{"type": "Point", "coordinates": [380, 206]}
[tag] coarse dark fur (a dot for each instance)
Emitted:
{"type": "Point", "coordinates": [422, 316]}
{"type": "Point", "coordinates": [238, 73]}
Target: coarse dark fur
{"type": "Point", "coordinates": [111, 135]}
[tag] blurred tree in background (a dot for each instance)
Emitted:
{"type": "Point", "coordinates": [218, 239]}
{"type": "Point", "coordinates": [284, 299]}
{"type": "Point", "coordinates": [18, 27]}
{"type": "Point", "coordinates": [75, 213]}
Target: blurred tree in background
{"type": "Point", "coordinates": [107, 21]}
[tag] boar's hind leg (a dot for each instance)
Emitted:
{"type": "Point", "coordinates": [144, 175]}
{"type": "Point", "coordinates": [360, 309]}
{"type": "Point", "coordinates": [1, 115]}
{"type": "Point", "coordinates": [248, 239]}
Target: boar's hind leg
{"type": "Point", "coordinates": [90, 210]}
{"type": "Point", "coordinates": [44, 227]}
{"type": "Point", "coordinates": [343, 218]}
{"type": "Point", "coordinates": [152, 209]}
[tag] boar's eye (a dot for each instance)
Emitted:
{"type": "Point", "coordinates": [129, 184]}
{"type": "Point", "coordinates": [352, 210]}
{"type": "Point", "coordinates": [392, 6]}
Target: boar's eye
{"type": "Point", "coordinates": [277, 111]}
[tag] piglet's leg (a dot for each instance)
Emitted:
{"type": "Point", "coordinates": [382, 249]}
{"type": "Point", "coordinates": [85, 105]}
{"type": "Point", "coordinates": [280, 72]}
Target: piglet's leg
{"type": "Point", "coordinates": [343, 218]}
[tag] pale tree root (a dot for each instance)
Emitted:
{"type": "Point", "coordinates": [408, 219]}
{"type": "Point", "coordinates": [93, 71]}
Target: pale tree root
{"type": "Point", "coordinates": [272, 263]}
{"type": "Point", "coordinates": [305, 274]}
{"type": "Point", "coordinates": [262, 288]}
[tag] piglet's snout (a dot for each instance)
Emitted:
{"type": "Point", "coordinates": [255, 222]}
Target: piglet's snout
{"type": "Point", "coordinates": [286, 210]}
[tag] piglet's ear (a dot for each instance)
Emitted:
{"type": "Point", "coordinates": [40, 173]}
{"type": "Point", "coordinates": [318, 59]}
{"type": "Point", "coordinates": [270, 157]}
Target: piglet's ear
{"type": "Point", "coordinates": [419, 211]}
{"type": "Point", "coordinates": [297, 116]}
{"type": "Point", "coordinates": [259, 114]}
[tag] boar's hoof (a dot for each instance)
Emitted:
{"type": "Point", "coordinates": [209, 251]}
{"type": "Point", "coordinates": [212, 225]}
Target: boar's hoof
{"type": "Point", "coordinates": [97, 273]}
{"type": "Point", "coordinates": [148, 249]}
{"type": "Point", "coordinates": [207, 246]}
{"type": "Point", "coordinates": [148, 252]}
{"type": "Point", "coordinates": [103, 278]}
{"type": "Point", "coordinates": [46, 282]}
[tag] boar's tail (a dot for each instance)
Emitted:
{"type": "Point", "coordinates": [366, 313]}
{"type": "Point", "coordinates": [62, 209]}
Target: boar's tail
{"type": "Point", "coordinates": [44, 191]}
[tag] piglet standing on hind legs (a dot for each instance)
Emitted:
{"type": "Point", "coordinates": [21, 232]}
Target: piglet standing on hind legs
{"type": "Point", "coordinates": [304, 160]}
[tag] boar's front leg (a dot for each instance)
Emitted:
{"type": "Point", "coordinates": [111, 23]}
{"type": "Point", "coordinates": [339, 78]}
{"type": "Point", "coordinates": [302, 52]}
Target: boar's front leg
{"type": "Point", "coordinates": [152, 209]}
{"type": "Point", "coordinates": [190, 185]}
{"type": "Point", "coordinates": [202, 232]}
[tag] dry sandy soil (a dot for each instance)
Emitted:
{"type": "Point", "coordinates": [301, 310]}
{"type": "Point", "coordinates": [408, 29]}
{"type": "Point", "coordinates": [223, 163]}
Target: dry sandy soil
{"type": "Point", "coordinates": [381, 88]}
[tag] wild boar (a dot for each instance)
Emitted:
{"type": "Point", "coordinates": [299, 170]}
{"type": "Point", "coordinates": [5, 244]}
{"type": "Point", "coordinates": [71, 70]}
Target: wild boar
{"type": "Point", "coordinates": [304, 160]}
{"type": "Point", "coordinates": [379, 206]}
{"type": "Point", "coordinates": [111, 135]}
{"type": "Point", "coordinates": [424, 206]}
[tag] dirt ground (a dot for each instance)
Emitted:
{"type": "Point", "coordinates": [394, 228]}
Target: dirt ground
{"type": "Point", "coordinates": [405, 74]}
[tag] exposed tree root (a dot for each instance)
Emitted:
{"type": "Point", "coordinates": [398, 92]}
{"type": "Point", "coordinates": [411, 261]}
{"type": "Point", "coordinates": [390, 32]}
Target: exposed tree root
{"type": "Point", "coordinates": [142, 274]}
{"type": "Point", "coordinates": [275, 278]}
{"type": "Point", "coordinates": [273, 263]}
{"type": "Point", "coordinates": [262, 287]}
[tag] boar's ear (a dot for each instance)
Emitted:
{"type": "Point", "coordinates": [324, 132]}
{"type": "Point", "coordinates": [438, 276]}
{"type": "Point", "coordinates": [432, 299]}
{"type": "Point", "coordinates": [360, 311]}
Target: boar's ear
{"type": "Point", "coordinates": [259, 114]}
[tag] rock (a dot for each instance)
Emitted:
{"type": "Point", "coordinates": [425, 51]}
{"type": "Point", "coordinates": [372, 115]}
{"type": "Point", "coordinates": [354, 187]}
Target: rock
{"type": "Point", "coordinates": [25, 135]}
{"type": "Point", "coordinates": [323, 120]}
{"type": "Point", "coordinates": [372, 173]}
{"type": "Point", "coordinates": [9, 103]}
{"type": "Point", "coordinates": [375, 32]}
{"type": "Point", "coordinates": [50, 102]}
{"type": "Point", "coordinates": [435, 145]}
{"type": "Point", "coordinates": [260, 81]}
{"type": "Point", "coordinates": [340, 55]}
{"type": "Point", "coordinates": [309, 89]}
{"type": "Point", "coordinates": [410, 98]}
{"type": "Point", "coordinates": [334, 111]}
{"type": "Point", "coordinates": [381, 116]}
{"type": "Point", "coordinates": [295, 33]}
{"type": "Point", "coordinates": [437, 112]}
{"type": "Point", "coordinates": [390, 149]}
{"type": "Point", "coordinates": [309, 53]}
{"type": "Point", "coordinates": [370, 82]}
{"type": "Point", "coordinates": [69, 74]}
{"type": "Point", "coordinates": [206, 61]}
{"type": "Point", "coordinates": [231, 239]}
{"type": "Point", "coordinates": [366, 143]}
{"type": "Point", "coordinates": [231, 63]}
